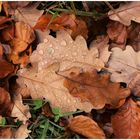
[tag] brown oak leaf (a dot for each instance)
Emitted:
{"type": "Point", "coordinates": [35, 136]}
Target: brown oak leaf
{"type": "Point", "coordinates": [126, 121]}
{"type": "Point", "coordinates": [63, 21]}
{"type": "Point", "coordinates": [87, 127]}
{"type": "Point", "coordinates": [95, 88]}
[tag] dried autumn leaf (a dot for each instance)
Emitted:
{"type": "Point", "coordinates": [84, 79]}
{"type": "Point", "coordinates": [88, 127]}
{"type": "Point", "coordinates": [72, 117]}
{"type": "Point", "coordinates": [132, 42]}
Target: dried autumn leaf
{"type": "Point", "coordinates": [29, 14]}
{"type": "Point", "coordinates": [117, 32]}
{"type": "Point", "coordinates": [126, 121]}
{"type": "Point", "coordinates": [3, 21]}
{"type": "Point", "coordinates": [6, 133]}
{"type": "Point", "coordinates": [87, 127]}
{"type": "Point", "coordinates": [124, 64]}
{"type": "Point", "coordinates": [19, 110]}
{"type": "Point", "coordinates": [95, 88]}
{"type": "Point", "coordinates": [7, 34]}
{"type": "Point", "coordinates": [134, 84]}
{"type": "Point", "coordinates": [1, 51]}
{"type": "Point", "coordinates": [101, 43]}
{"type": "Point", "coordinates": [63, 21]}
{"type": "Point", "coordinates": [126, 12]}
{"type": "Point", "coordinates": [65, 50]}
{"type": "Point", "coordinates": [5, 103]}
{"type": "Point", "coordinates": [134, 36]}
{"type": "Point", "coordinates": [49, 85]}
{"type": "Point", "coordinates": [24, 36]}
{"type": "Point", "coordinates": [5, 68]}
{"type": "Point", "coordinates": [22, 132]}
{"type": "Point", "coordinates": [56, 23]}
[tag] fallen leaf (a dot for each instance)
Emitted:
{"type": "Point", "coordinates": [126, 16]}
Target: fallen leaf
{"type": "Point", "coordinates": [134, 85]}
{"type": "Point", "coordinates": [3, 22]}
{"type": "Point", "coordinates": [117, 32]}
{"type": "Point", "coordinates": [101, 43]}
{"type": "Point", "coordinates": [5, 103]}
{"type": "Point", "coordinates": [94, 88]}
{"type": "Point", "coordinates": [19, 110]}
{"type": "Point", "coordinates": [47, 84]}
{"type": "Point", "coordinates": [24, 36]}
{"type": "Point", "coordinates": [28, 15]}
{"type": "Point", "coordinates": [22, 132]}
{"type": "Point", "coordinates": [87, 127]}
{"type": "Point", "coordinates": [123, 64]}
{"type": "Point", "coordinates": [8, 33]}
{"type": "Point", "coordinates": [126, 121]}
{"type": "Point", "coordinates": [1, 51]}
{"type": "Point", "coordinates": [5, 68]}
{"type": "Point", "coordinates": [65, 50]}
{"type": "Point", "coordinates": [47, 111]}
{"type": "Point", "coordinates": [80, 29]}
{"type": "Point", "coordinates": [134, 36]}
{"type": "Point", "coordinates": [17, 4]}
{"type": "Point", "coordinates": [126, 12]}
{"type": "Point", "coordinates": [56, 23]}
{"type": "Point", "coordinates": [6, 133]}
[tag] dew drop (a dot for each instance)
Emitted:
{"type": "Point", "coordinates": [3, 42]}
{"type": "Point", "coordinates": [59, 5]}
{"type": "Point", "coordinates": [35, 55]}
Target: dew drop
{"type": "Point", "coordinates": [50, 50]}
{"type": "Point", "coordinates": [45, 40]}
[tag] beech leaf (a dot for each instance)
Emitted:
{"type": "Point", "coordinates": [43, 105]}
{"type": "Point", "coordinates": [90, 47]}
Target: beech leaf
{"type": "Point", "coordinates": [87, 127]}
{"type": "Point", "coordinates": [126, 121]}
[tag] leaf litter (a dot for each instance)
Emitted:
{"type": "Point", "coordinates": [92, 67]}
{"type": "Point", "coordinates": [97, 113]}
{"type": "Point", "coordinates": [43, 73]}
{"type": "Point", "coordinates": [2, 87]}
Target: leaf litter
{"type": "Point", "coordinates": [60, 82]}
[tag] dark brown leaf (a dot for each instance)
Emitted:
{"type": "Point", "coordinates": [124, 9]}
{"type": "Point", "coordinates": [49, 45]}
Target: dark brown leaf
{"type": "Point", "coordinates": [6, 104]}
{"type": "Point", "coordinates": [5, 68]}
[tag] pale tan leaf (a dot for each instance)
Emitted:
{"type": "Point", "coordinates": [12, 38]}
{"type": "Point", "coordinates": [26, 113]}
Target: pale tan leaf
{"type": "Point", "coordinates": [67, 51]}
{"type": "Point", "coordinates": [134, 84]}
{"type": "Point", "coordinates": [22, 132]}
{"type": "Point", "coordinates": [127, 12]}
{"type": "Point", "coordinates": [47, 84]}
{"type": "Point", "coordinates": [124, 64]}
{"type": "Point", "coordinates": [87, 127]}
{"type": "Point", "coordinates": [19, 110]}
{"type": "Point", "coordinates": [101, 43]}
{"type": "Point", "coordinates": [29, 14]}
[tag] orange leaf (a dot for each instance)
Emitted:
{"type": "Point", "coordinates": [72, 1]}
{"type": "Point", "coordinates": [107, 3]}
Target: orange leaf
{"type": "Point", "coordinates": [5, 103]}
{"type": "Point", "coordinates": [126, 122]}
{"type": "Point", "coordinates": [60, 22]}
{"type": "Point", "coordinates": [6, 133]}
{"type": "Point", "coordinates": [95, 88]}
{"type": "Point", "coordinates": [87, 127]}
